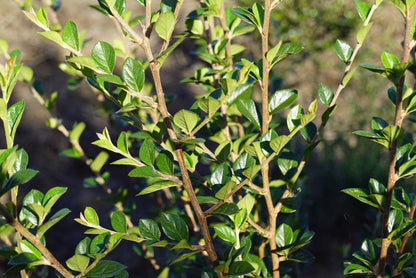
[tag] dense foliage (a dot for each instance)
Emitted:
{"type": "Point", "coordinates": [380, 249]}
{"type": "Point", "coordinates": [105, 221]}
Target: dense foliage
{"type": "Point", "coordinates": [230, 164]}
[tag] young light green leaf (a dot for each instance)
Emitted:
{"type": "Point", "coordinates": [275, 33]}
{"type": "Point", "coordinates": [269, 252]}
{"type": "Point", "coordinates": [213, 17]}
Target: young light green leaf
{"type": "Point", "coordinates": [42, 17]}
{"type": "Point", "coordinates": [70, 35]}
{"type": "Point", "coordinates": [77, 129]}
{"type": "Point", "coordinates": [165, 25]}
{"type": "Point", "coordinates": [99, 161]}
{"type": "Point", "coordinates": [143, 172]}
{"type": "Point", "coordinates": [186, 120]}
{"type": "Point", "coordinates": [164, 162]}
{"type": "Point", "coordinates": [157, 186]}
{"type": "Point", "coordinates": [133, 74]}
{"type": "Point", "coordinates": [14, 114]}
{"type": "Point", "coordinates": [174, 227]}
{"type": "Point", "coordinates": [389, 60]}
{"type": "Point", "coordinates": [4, 47]}
{"type": "Point", "coordinates": [362, 33]}
{"type": "Point", "coordinates": [344, 50]}
{"type": "Point", "coordinates": [91, 216]}
{"type": "Point", "coordinates": [52, 196]}
{"type": "Point", "coordinates": [104, 56]}
{"type": "Point", "coordinates": [277, 144]}
{"type": "Point", "coordinates": [78, 263]}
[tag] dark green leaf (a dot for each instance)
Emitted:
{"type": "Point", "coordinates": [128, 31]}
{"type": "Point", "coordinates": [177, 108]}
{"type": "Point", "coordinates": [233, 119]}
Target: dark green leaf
{"type": "Point", "coordinates": [23, 258]}
{"type": "Point", "coordinates": [18, 178]}
{"type": "Point", "coordinates": [226, 209]}
{"type": "Point", "coordinates": [240, 268]}
{"type": "Point", "coordinates": [247, 107]}
{"type": "Point", "coordinates": [105, 269]}
{"type": "Point", "coordinates": [174, 227]}
{"type": "Point", "coordinates": [294, 116]}
{"type": "Point", "coordinates": [149, 229]}
{"type": "Point", "coordinates": [282, 99]}
{"type": "Point", "coordinates": [83, 246]}
{"type": "Point", "coordinates": [164, 162]}
{"type": "Point", "coordinates": [284, 235]}
{"type": "Point", "coordinates": [98, 243]}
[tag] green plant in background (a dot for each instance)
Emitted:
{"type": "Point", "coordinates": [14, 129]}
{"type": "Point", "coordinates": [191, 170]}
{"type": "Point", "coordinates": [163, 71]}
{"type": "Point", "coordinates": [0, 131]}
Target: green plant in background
{"type": "Point", "coordinates": [227, 163]}
{"type": "Point", "coordinates": [392, 254]}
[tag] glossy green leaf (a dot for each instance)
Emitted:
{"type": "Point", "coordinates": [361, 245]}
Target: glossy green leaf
{"type": "Point", "coordinates": [395, 219]}
{"type": "Point", "coordinates": [344, 50]}
{"type": "Point", "coordinates": [28, 247]}
{"type": "Point", "coordinates": [293, 117]}
{"type": "Point", "coordinates": [118, 222]}
{"type": "Point", "coordinates": [258, 12]}
{"type": "Point", "coordinates": [104, 269]}
{"type": "Point", "coordinates": [282, 99]}
{"type": "Point", "coordinates": [186, 120]}
{"type": "Point", "coordinates": [14, 115]}
{"type": "Point", "coordinates": [174, 227]}
{"type": "Point", "coordinates": [226, 209]}
{"type": "Point", "coordinates": [58, 216]}
{"type": "Point", "coordinates": [220, 175]}
{"type": "Point", "coordinates": [246, 15]}
{"type": "Point", "coordinates": [325, 94]}
{"type": "Point", "coordinates": [18, 178]}
{"type": "Point", "coordinates": [225, 233]}
{"type": "Point", "coordinates": [247, 107]}
{"type": "Point", "coordinates": [363, 9]}
{"type": "Point", "coordinates": [70, 35]}
{"type": "Point", "coordinates": [147, 152]}
{"type": "Point", "coordinates": [165, 25]}
{"type": "Point", "coordinates": [104, 56]}
{"type": "Point", "coordinates": [23, 258]}
{"type": "Point", "coordinates": [361, 195]}
{"type": "Point", "coordinates": [240, 268]}
{"type": "Point", "coordinates": [122, 142]}
{"type": "Point", "coordinates": [284, 235]}
{"type": "Point", "coordinates": [242, 162]}
{"type": "Point", "coordinates": [83, 246]}
{"type": "Point", "coordinates": [149, 229]}
{"type": "Point", "coordinates": [389, 60]}
{"type": "Point", "coordinates": [133, 74]}
{"type": "Point", "coordinates": [78, 262]}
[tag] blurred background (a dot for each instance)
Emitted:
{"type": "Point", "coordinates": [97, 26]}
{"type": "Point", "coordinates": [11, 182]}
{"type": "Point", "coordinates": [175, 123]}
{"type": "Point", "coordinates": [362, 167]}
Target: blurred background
{"type": "Point", "coordinates": [342, 160]}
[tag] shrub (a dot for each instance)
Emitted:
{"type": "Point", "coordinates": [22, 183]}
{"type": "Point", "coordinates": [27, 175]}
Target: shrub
{"type": "Point", "coordinates": [229, 164]}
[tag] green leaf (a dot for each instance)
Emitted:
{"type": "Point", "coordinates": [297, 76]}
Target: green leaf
{"type": "Point", "coordinates": [122, 142]}
{"type": "Point", "coordinates": [91, 216]}
{"type": "Point", "coordinates": [83, 246]}
{"type": "Point", "coordinates": [99, 161]}
{"type": "Point", "coordinates": [284, 235]}
{"type": "Point", "coordinates": [53, 36]}
{"type": "Point", "coordinates": [98, 243]}
{"type": "Point", "coordinates": [247, 15]}
{"type": "Point", "coordinates": [110, 78]}
{"type": "Point", "coordinates": [165, 25]}
{"type": "Point", "coordinates": [363, 9]}
{"type": "Point", "coordinates": [118, 222]}
{"type": "Point", "coordinates": [282, 99]}
{"type": "Point", "coordinates": [58, 216]}
{"type": "Point", "coordinates": [105, 269]}
{"type": "Point", "coordinates": [4, 46]}
{"type": "Point", "coordinates": [247, 203]}
{"type": "Point", "coordinates": [325, 94]}
{"type": "Point", "coordinates": [277, 144]}
{"type": "Point", "coordinates": [164, 162]}
{"type": "Point", "coordinates": [258, 12]}
{"type": "Point", "coordinates": [389, 60]}
{"type": "Point", "coordinates": [344, 50]}
{"type": "Point", "coordinates": [287, 49]}
{"type": "Point", "coordinates": [174, 227]}
{"type": "Point", "coordinates": [226, 209]}
{"type": "Point", "coordinates": [223, 191]}
{"type": "Point", "coordinates": [143, 172]}
{"type": "Point", "coordinates": [225, 233]}
{"type": "Point", "coordinates": [147, 152]}
{"type": "Point", "coordinates": [220, 174]}
{"type": "Point", "coordinates": [104, 56]}
{"type": "Point", "coordinates": [356, 269]}
{"type": "Point", "coordinates": [247, 107]}
{"type": "Point", "coordinates": [70, 35]}
{"type": "Point", "coordinates": [395, 219]}
{"type": "Point", "coordinates": [361, 195]}
{"type": "Point", "coordinates": [348, 76]}
{"type": "Point", "coordinates": [84, 61]}
{"type": "Point", "coordinates": [28, 247]}
{"type": "Point", "coordinates": [14, 114]}
{"type": "Point", "coordinates": [18, 178]}
{"type": "Point", "coordinates": [240, 268]}
{"type": "Point", "coordinates": [133, 74]}
{"type": "Point", "coordinates": [78, 263]}
{"type": "Point", "coordinates": [184, 256]}
{"type": "Point", "coordinates": [76, 131]}
{"type": "Point", "coordinates": [157, 186]}
{"type": "Point", "coordinates": [251, 171]}
{"type": "Point", "coordinates": [23, 258]}
{"type": "Point", "coordinates": [149, 229]}
{"type": "Point", "coordinates": [362, 33]}
{"type": "Point", "coordinates": [42, 18]}
{"type": "Point", "coordinates": [186, 120]}
{"type": "Point", "coordinates": [294, 116]}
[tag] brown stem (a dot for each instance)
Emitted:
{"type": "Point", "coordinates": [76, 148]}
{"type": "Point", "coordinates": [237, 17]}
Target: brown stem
{"type": "Point", "coordinates": [53, 262]}
{"type": "Point", "coordinates": [392, 175]}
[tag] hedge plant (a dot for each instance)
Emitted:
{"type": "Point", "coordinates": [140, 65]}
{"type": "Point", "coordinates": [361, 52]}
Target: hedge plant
{"type": "Point", "coordinates": [229, 163]}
